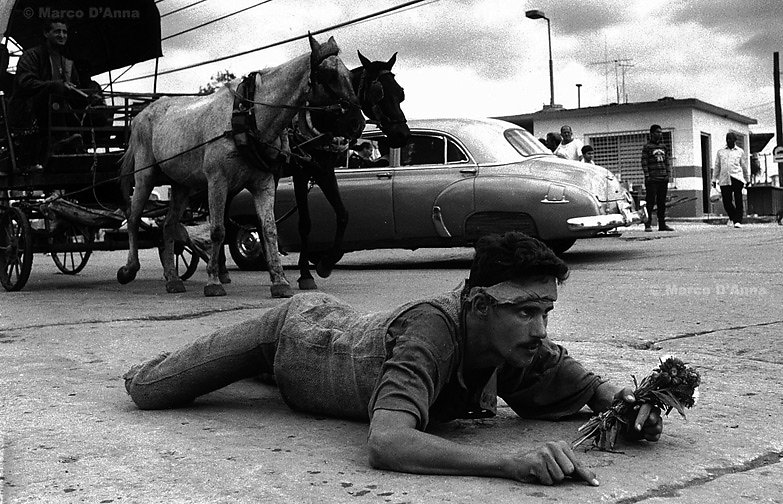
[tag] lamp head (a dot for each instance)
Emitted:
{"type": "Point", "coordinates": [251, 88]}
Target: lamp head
{"type": "Point", "coordinates": [535, 14]}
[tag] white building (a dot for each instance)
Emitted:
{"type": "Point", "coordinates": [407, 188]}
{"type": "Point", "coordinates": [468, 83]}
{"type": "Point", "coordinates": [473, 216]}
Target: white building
{"type": "Point", "coordinates": [693, 129]}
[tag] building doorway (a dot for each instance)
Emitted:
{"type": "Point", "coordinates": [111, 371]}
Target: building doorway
{"type": "Point", "coordinates": [706, 172]}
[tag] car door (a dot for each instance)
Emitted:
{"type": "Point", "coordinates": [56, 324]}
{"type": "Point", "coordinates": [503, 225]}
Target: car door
{"type": "Point", "coordinates": [367, 196]}
{"type": "Point", "coordinates": [432, 187]}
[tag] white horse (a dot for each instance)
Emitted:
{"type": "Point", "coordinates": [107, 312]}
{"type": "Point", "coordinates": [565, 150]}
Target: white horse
{"type": "Point", "coordinates": [184, 140]}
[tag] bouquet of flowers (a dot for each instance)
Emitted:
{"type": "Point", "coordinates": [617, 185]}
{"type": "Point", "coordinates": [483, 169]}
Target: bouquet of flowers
{"type": "Point", "coordinates": [672, 385]}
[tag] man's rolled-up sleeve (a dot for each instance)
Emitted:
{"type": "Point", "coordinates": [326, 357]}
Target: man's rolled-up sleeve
{"type": "Point", "coordinates": [553, 386]}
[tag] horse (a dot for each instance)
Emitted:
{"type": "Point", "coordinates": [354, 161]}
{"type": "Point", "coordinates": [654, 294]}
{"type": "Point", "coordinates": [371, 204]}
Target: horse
{"type": "Point", "coordinates": [187, 140]}
{"type": "Point", "coordinates": [379, 97]}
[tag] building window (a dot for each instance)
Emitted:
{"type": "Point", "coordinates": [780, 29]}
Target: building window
{"type": "Point", "coordinates": [621, 153]}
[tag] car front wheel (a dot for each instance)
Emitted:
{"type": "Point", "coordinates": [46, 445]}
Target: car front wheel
{"type": "Point", "coordinates": [246, 248]}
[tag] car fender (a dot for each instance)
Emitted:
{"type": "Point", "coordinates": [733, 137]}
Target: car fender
{"type": "Point", "coordinates": [452, 206]}
{"type": "Point", "coordinates": [549, 204]}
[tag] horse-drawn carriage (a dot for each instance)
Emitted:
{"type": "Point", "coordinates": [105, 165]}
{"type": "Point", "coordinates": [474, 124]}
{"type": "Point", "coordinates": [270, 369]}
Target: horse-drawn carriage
{"type": "Point", "coordinates": [73, 206]}
{"type": "Point", "coordinates": [77, 203]}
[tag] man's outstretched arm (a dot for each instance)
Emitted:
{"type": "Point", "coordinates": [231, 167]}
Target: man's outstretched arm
{"type": "Point", "coordinates": [396, 445]}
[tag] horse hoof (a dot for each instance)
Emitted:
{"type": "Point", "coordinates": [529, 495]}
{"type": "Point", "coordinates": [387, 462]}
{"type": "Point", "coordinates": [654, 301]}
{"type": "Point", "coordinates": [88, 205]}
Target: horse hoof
{"type": "Point", "coordinates": [214, 290]}
{"type": "Point", "coordinates": [282, 291]}
{"type": "Point", "coordinates": [324, 268]}
{"type": "Point", "coordinates": [224, 278]}
{"type": "Point", "coordinates": [307, 284]}
{"type": "Point", "coordinates": [175, 286]}
{"type": "Point", "coordinates": [125, 275]}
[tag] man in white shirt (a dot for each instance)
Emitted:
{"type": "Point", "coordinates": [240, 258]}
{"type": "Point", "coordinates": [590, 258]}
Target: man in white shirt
{"type": "Point", "coordinates": [731, 173]}
{"type": "Point", "coordinates": [569, 147]}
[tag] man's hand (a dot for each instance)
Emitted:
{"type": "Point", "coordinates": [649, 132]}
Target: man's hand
{"type": "Point", "coordinates": [550, 464]}
{"type": "Point", "coordinates": [648, 423]}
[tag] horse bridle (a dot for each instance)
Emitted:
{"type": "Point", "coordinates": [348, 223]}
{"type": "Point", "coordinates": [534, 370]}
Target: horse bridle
{"type": "Point", "coordinates": [374, 112]}
{"type": "Point", "coordinates": [317, 77]}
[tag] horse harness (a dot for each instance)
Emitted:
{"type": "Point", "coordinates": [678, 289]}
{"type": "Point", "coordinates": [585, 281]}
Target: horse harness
{"type": "Point", "coordinates": [244, 130]}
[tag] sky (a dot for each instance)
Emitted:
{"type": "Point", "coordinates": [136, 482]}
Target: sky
{"type": "Point", "coordinates": [485, 58]}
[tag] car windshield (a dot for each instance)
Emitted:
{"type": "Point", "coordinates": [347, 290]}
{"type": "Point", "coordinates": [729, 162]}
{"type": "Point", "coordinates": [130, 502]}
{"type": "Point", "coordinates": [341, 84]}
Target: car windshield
{"type": "Point", "coordinates": [525, 143]}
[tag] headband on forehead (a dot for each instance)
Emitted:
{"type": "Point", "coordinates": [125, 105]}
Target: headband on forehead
{"type": "Point", "coordinates": [512, 292]}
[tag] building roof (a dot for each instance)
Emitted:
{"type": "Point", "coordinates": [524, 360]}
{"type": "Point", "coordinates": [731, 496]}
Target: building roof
{"type": "Point", "coordinates": [627, 108]}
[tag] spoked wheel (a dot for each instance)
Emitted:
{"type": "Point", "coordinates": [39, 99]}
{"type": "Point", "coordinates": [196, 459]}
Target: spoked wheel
{"type": "Point", "coordinates": [16, 249]}
{"type": "Point", "coordinates": [72, 262]}
{"type": "Point", "coordinates": [185, 260]}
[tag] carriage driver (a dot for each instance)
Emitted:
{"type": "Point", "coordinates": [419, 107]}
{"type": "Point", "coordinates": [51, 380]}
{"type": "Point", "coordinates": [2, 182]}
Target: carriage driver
{"type": "Point", "coordinates": [442, 358]}
{"type": "Point", "coordinates": [42, 72]}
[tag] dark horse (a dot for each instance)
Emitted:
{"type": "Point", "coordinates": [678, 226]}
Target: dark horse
{"type": "Point", "coordinates": [379, 96]}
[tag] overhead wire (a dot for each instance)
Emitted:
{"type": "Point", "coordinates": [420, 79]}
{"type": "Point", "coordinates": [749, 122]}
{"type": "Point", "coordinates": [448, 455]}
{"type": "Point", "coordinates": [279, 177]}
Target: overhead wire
{"type": "Point", "coordinates": [378, 14]}
{"type": "Point", "coordinates": [202, 25]}
{"type": "Point", "coordinates": [182, 8]}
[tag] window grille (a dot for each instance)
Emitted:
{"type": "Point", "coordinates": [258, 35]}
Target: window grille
{"type": "Point", "coordinates": [621, 153]}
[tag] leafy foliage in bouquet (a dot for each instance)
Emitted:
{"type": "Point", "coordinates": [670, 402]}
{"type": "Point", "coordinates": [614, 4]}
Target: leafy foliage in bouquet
{"type": "Point", "coordinates": [672, 385]}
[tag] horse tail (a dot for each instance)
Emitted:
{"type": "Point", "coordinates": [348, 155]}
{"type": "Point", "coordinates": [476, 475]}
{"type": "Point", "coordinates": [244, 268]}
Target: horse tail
{"type": "Point", "coordinates": [127, 172]}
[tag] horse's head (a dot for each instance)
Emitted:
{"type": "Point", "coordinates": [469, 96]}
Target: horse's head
{"type": "Point", "coordinates": [380, 96]}
{"type": "Point", "coordinates": [331, 88]}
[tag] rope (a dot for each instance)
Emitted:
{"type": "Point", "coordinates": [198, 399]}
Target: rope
{"type": "Point", "coordinates": [324, 108]}
{"type": "Point", "coordinates": [113, 179]}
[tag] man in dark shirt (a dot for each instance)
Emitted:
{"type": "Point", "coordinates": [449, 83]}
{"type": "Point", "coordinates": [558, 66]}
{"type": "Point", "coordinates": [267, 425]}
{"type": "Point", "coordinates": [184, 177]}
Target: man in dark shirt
{"type": "Point", "coordinates": [43, 72]}
{"type": "Point", "coordinates": [433, 360]}
{"type": "Point", "coordinates": [657, 167]}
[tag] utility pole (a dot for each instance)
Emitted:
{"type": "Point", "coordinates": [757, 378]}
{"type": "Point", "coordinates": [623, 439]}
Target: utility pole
{"type": "Point", "coordinates": [617, 63]}
{"type": "Point", "coordinates": [778, 121]}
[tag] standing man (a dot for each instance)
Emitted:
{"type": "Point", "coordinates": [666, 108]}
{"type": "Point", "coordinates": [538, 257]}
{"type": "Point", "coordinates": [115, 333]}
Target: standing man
{"type": "Point", "coordinates": [731, 172]}
{"type": "Point", "coordinates": [41, 72]}
{"type": "Point", "coordinates": [569, 147]}
{"type": "Point", "coordinates": [657, 167]}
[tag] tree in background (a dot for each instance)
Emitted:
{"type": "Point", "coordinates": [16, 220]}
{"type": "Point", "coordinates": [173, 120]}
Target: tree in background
{"type": "Point", "coordinates": [217, 80]}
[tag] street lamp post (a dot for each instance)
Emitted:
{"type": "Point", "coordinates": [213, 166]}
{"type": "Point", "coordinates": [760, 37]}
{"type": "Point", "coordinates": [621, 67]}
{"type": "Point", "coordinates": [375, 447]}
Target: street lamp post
{"type": "Point", "coordinates": [539, 14]}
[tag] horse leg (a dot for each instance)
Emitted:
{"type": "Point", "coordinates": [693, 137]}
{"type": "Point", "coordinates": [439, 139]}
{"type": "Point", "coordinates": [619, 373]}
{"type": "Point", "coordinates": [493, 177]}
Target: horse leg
{"type": "Point", "coordinates": [328, 184]}
{"type": "Point", "coordinates": [306, 280]}
{"type": "Point", "coordinates": [141, 193]}
{"type": "Point", "coordinates": [263, 191]}
{"type": "Point", "coordinates": [223, 275]}
{"type": "Point", "coordinates": [218, 194]}
{"type": "Point", "coordinates": [179, 200]}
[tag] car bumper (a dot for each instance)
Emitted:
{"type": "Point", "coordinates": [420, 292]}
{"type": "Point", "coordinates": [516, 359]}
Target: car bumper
{"type": "Point", "coordinates": [608, 221]}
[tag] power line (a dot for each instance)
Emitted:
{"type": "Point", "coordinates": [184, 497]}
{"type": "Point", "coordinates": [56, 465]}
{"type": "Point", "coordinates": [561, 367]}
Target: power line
{"type": "Point", "coordinates": [757, 106]}
{"type": "Point", "coordinates": [215, 20]}
{"type": "Point", "coordinates": [282, 42]}
{"type": "Point", "coordinates": [181, 8]}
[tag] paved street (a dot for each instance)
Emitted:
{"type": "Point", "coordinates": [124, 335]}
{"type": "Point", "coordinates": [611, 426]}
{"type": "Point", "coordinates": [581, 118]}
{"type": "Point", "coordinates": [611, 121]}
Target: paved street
{"type": "Point", "coordinates": [708, 294]}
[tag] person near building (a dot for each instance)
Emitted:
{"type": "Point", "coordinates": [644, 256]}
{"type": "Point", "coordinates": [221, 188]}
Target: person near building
{"type": "Point", "coordinates": [569, 148]}
{"type": "Point", "coordinates": [657, 168]}
{"type": "Point", "coordinates": [442, 358]}
{"type": "Point", "coordinates": [731, 173]}
{"type": "Point", "coordinates": [587, 154]}
{"type": "Point", "coordinates": [43, 72]}
{"type": "Point", "coordinates": [553, 139]}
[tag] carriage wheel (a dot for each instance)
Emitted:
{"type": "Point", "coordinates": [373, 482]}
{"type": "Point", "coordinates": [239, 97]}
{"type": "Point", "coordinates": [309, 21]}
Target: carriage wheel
{"type": "Point", "coordinates": [185, 260]}
{"type": "Point", "coordinates": [72, 262]}
{"type": "Point", "coordinates": [16, 249]}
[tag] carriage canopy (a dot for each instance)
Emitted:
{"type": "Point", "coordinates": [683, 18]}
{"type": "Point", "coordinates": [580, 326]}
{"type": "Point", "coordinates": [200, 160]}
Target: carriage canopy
{"type": "Point", "coordinates": [102, 34]}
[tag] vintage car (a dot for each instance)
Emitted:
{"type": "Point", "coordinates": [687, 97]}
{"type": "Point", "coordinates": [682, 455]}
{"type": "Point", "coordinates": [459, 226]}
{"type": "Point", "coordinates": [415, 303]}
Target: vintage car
{"type": "Point", "coordinates": [456, 180]}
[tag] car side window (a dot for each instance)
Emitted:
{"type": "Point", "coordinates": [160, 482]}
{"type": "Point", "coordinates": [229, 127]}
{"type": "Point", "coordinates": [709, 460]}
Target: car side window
{"type": "Point", "coordinates": [423, 150]}
{"type": "Point", "coordinates": [455, 154]}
